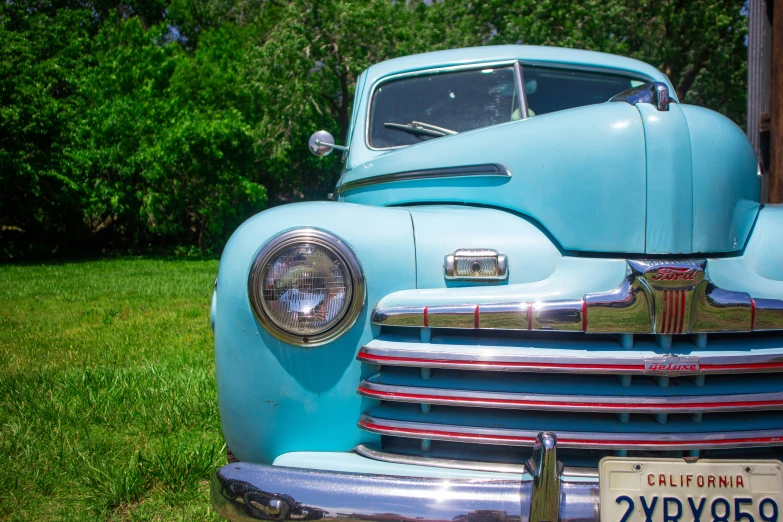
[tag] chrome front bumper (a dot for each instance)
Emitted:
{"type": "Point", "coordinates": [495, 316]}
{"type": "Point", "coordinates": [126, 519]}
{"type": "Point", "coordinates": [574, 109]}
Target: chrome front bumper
{"type": "Point", "coordinates": [245, 492]}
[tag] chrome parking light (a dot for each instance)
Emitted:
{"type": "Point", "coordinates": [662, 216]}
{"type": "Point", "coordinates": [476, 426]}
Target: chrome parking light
{"type": "Point", "coordinates": [475, 264]}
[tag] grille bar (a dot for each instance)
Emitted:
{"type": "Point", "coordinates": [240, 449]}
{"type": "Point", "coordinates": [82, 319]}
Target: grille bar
{"type": "Point", "coordinates": [566, 360]}
{"type": "Point", "coordinates": [549, 402]}
{"type": "Point", "coordinates": [577, 440]}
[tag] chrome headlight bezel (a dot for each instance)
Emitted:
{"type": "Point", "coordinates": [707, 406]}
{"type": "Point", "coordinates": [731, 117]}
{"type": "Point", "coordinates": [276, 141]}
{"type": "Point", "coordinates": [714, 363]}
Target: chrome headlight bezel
{"type": "Point", "coordinates": [338, 248]}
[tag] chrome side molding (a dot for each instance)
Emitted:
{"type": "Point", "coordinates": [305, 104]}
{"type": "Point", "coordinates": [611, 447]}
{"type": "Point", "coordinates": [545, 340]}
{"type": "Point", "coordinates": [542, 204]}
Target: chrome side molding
{"type": "Point", "coordinates": [659, 297]}
{"type": "Point", "coordinates": [655, 93]}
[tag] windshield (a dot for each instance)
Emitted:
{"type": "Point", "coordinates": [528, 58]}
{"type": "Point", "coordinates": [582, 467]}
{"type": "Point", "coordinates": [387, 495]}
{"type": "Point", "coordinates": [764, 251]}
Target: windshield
{"type": "Point", "coordinates": [425, 107]}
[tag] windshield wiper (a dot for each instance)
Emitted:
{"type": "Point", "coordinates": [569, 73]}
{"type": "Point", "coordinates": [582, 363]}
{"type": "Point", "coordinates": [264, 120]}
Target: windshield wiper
{"type": "Point", "coordinates": [421, 128]}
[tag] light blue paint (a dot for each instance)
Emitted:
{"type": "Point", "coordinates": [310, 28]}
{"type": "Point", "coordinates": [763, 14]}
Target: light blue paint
{"type": "Point", "coordinates": [572, 278]}
{"type": "Point", "coordinates": [669, 181]}
{"type": "Point", "coordinates": [270, 392]}
{"type": "Point", "coordinates": [441, 230]}
{"type": "Point", "coordinates": [726, 187]}
{"type": "Point", "coordinates": [580, 173]}
{"type": "Point", "coordinates": [759, 271]}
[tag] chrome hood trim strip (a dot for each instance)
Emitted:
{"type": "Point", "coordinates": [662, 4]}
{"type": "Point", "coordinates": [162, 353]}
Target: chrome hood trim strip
{"type": "Point", "coordinates": [578, 440]}
{"type": "Point", "coordinates": [491, 169]}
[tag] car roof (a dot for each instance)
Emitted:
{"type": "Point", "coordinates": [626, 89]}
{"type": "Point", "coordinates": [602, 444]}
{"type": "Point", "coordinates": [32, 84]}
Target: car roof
{"type": "Point", "coordinates": [533, 54]}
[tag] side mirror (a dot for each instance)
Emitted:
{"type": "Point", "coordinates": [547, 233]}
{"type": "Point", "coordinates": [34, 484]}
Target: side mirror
{"type": "Point", "coordinates": [321, 143]}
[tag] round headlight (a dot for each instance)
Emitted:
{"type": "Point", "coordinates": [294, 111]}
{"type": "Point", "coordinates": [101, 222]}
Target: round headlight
{"type": "Point", "coordinates": [306, 286]}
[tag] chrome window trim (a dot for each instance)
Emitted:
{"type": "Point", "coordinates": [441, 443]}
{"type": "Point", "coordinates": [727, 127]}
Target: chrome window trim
{"type": "Point", "coordinates": [338, 247]}
{"type": "Point", "coordinates": [573, 439]}
{"type": "Point", "coordinates": [365, 450]}
{"type": "Point", "coordinates": [527, 359]}
{"type": "Point", "coordinates": [519, 77]}
{"type": "Point", "coordinates": [573, 403]}
{"type": "Point", "coordinates": [482, 170]}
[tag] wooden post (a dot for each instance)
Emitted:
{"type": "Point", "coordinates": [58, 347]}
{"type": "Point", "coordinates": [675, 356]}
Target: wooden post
{"type": "Point", "coordinates": [776, 108]}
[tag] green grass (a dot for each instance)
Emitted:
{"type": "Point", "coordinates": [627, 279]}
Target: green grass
{"type": "Point", "coordinates": [108, 406]}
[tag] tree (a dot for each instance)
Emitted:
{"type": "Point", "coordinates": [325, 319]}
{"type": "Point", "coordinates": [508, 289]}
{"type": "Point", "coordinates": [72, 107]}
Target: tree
{"type": "Point", "coordinates": [699, 45]}
{"type": "Point", "coordinates": [307, 70]}
{"type": "Point", "coordinates": [42, 53]}
{"type": "Point", "coordinates": [197, 187]}
{"type": "Point", "coordinates": [129, 125]}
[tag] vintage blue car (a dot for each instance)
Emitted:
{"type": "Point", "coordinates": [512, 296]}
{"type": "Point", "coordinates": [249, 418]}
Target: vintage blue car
{"type": "Point", "coordinates": [545, 290]}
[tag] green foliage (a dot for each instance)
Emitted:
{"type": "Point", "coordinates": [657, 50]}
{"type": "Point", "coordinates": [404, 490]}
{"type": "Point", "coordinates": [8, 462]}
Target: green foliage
{"type": "Point", "coordinates": [197, 177]}
{"type": "Point", "coordinates": [307, 69]}
{"type": "Point", "coordinates": [40, 54]}
{"type": "Point", "coordinates": [137, 126]}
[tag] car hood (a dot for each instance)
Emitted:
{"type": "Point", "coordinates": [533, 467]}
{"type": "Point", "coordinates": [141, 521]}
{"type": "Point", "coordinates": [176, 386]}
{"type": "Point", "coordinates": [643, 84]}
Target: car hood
{"type": "Point", "coordinates": [613, 177]}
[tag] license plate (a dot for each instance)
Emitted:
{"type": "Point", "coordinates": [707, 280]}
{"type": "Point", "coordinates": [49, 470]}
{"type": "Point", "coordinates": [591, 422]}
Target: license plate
{"type": "Point", "coordinates": [673, 490]}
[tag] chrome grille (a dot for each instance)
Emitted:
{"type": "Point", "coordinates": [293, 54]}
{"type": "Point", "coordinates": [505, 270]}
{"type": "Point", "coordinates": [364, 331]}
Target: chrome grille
{"type": "Point", "coordinates": [499, 389]}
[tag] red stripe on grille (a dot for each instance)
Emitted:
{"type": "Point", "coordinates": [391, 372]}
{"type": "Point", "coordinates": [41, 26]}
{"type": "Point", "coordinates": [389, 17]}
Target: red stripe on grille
{"type": "Point", "coordinates": [743, 366]}
{"type": "Point", "coordinates": [752, 313]}
{"type": "Point", "coordinates": [682, 311]}
{"type": "Point", "coordinates": [426, 318]}
{"type": "Point", "coordinates": [664, 310]}
{"type": "Point", "coordinates": [530, 316]}
{"type": "Point", "coordinates": [476, 317]}
{"type": "Point", "coordinates": [584, 315]}
{"type": "Point", "coordinates": [677, 312]}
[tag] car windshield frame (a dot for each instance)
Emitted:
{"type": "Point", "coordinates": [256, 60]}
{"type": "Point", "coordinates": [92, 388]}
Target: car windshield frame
{"type": "Point", "coordinates": [518, 66]}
